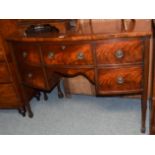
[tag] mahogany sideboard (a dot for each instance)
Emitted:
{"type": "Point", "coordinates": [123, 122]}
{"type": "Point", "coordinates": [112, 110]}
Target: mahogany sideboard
{"type": "Point", "coordinates": [117, 64]}
{"type": "Point", "coordinates": [115, 61]}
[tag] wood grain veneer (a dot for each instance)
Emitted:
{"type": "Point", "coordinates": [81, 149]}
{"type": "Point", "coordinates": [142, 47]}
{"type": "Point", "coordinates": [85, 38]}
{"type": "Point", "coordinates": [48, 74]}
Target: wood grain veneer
{"type": "Point", "coordinates": [28, 53]}
{"type": "Point", "coordinates": [70, 55]}
{"type": "Point", "coordinates": [120, 52]}
{"type": "Point", "coordinates": [109, 80]}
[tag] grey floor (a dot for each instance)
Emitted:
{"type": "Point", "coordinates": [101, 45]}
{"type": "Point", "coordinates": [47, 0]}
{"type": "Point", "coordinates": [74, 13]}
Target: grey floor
{"type": "Point", "coordinates": [78, 115]}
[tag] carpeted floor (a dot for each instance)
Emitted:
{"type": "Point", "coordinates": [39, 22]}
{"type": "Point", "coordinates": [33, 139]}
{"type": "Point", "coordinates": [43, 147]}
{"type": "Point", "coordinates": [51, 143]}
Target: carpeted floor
{"type": "Point", "coordinates": [78, 115]}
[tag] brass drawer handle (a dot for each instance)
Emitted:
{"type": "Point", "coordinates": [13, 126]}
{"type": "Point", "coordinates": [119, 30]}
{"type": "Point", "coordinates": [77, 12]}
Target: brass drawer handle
{"type": "Point", "coordinates": [51, 55]}
{"type": "Point", "coordinates": [24, 54]}
{"type": "Point", "coordinates": [119, 54]}
{"type": "Point", "coordinates": [63, 47]}
{"type": "Point", "coordinates": [120, 80]}
{"type": "Point", "coordinates": [29, 75]}
{"type": "Point", "coordinates": [80, 56]}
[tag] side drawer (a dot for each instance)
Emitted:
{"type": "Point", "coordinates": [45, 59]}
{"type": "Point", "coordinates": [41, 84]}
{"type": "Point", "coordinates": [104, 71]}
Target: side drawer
{"type": "Point", "coordinates": [120, 80]}
{"type": "Point", "coordinates": [27, 53]}
{"type": "Point", "coordinates": [33, 76]}
{"type": "Point", "coordinates": [119, 52]}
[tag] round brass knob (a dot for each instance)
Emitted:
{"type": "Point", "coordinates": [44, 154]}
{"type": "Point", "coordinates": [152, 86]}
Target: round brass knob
{"type": "Point", "coordinates": [80, 55]}
{"type": "Point", "coordinates": [24, 54]}
{"type": "Point", "coordinates": [50, 55]}
{"type": "Point", "coordinates": [63, 47]}
{"type": "Point", "coordinates": [119, 54]}
{"type": "Point", "coordinates": [29, 75]}
{"type": "Point", "coordinates": [120, 80]}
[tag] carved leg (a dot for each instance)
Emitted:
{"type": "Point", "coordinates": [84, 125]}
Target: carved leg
{"type": "Point", "coordinates": [143, 114]}
{"type": "Point", "coordinates": [38, 94]}
{"type": "Point", "coordinates": [45, 96]}
{"type": "Point", "coordinates": [22, 111]}
{"type": "Point", "coordinates": [60, 94]}
{"type": "Point", "coordinates": [30, 113]}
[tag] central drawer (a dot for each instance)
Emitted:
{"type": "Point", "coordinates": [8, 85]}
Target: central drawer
{"type": "Point", "coordinates": [119, 80]}
{"type": "Point", "coordinates": [119, 51]}
{"type": "Point", "coordinates": [67, 54]}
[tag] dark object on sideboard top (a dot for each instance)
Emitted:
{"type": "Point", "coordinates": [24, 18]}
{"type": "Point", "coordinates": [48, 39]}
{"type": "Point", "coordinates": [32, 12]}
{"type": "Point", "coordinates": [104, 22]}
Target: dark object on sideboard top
{"type": "Point", "coordinates": [41, 30]}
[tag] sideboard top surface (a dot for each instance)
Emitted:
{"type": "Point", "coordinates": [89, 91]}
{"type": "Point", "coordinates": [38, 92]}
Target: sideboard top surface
{"type": "Point", "coordinates": [77, 37]}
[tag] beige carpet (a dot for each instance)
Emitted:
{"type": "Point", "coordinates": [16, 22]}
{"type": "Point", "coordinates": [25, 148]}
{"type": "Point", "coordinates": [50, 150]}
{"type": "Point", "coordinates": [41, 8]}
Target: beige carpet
{"type": "Point", "coordinates": [78, 115]}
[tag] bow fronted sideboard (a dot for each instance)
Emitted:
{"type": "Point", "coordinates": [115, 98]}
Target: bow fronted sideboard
{"type": "Point", "coordinates": [110, 56]}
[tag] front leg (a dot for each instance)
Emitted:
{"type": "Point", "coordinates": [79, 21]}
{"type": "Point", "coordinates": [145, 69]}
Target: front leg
{"type": "Point", "coordinates": [143, 113]}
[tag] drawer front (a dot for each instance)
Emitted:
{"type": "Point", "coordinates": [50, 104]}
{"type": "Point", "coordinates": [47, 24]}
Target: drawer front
{"type": "Point", "coordinates": [8, 96]}
{"type": "Point", "coordinates": [117, 80]}
{"type": "Point", "coordinates": [117, 52]}
{"type": "Point", "coordinates": [4, 73]}
{"type": "Point", "coordinates": [67, 54]}
{"type": "Point", "coordinates": [33, 76]}
{"type": "Point", "coordinates": [27, 53]}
